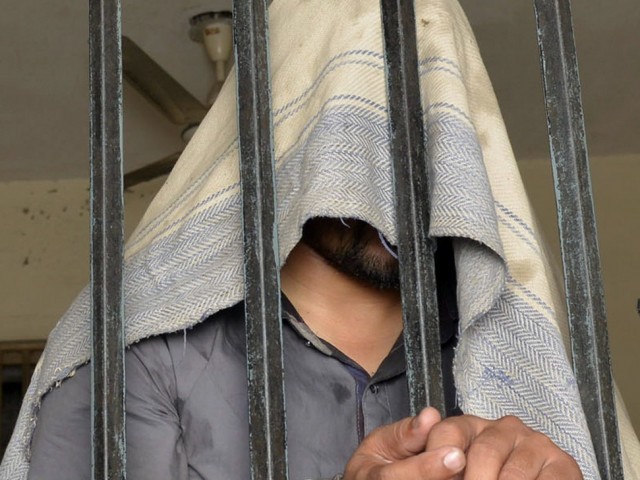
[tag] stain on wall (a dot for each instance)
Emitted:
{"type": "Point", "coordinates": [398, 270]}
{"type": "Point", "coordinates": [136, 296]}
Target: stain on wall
{"type": "Point", "coordinates": [44, 250]}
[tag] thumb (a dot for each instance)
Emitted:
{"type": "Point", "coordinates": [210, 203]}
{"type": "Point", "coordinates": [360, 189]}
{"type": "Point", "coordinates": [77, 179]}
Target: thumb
{"type": "Point", "coordinates": [403, 439]}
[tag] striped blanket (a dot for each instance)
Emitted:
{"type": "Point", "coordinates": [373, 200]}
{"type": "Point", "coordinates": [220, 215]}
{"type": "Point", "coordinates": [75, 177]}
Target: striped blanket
{"type": "Point", "coordinates": [184, 261]}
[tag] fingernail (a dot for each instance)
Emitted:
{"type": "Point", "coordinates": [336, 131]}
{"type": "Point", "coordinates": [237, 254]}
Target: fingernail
{"type": "Point", "coordinates": [454, 460]}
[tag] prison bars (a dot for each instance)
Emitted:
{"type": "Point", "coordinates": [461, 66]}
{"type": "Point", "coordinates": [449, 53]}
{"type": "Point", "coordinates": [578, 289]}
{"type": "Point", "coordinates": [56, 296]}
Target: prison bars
{"type": "Point", "coordinates": [267, 442]}
{"type": "Point", "coordinates": [266, 391]}
{"type": "Point", "coordinates": [107, 234]}
{"type": "Point", "coordinates": [577, 225]}
{"type": "Point", "coordinates": [415, 250]}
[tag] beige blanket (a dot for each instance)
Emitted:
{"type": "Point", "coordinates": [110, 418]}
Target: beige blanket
{"type": "Point", "coordinates": [184, 261]}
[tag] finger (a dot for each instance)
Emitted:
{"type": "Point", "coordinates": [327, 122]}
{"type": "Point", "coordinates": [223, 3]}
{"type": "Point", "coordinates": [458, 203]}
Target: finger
{"type": "Point", "coordinates": [535, 456]}
{"type": "Point", "coordinates": [528, 458]}
{"type": "Point", "coordinates": [488, 453]}
{"type": "Point", "coordinates": [441, 464]}
{"type": "Point", "coordinates": [487, 444]}
{"type": "Point", "coordinates": [390, 444]}
{"type": "Point", "coordinates": [404, 438]}
{"type": "Point", "coordinates": [564, 467]}
{"type": "Point", "coordinates": [456, 431]}
{"type": "Point", "coordinates": [554, 472]}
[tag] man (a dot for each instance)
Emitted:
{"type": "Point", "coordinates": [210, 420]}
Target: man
{"type": "Point", "coordinates": [186, 398]}
{"type": "Point", "coordinates": [337, 276]}
{"type": "Point", "coordinates": [344, 367]}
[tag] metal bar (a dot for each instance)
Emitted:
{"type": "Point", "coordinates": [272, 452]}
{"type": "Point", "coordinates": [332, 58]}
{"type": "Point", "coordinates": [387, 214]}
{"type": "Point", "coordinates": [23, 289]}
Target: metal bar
{"type": "Point", "coordinates": [262, 281]}
{"type": "Point", "coordinates": [576, 220]}
{"type": "Point", "coordinates": [108, 437]}
{"type": "Point", "coordinates": [415, 249]}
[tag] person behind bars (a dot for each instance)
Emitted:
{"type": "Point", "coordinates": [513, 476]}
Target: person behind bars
{"type": "Point", "coordinates": [513, 409]}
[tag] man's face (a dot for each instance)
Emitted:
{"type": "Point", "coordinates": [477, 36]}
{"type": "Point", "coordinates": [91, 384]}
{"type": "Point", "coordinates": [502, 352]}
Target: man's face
{"type": "Point", "coordinates": [355, 249]}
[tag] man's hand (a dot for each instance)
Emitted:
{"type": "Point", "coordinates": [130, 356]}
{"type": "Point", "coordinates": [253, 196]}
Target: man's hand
{"type": "Point", "coordinates": [398, 452]}
{"type": "Point", "coordinates": [428, 448]}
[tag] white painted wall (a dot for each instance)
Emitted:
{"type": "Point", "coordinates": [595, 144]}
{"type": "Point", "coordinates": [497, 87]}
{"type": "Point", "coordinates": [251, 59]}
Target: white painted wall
{"type": "Point", "coordinates": [617, 197]}
{"type": "Point", "coordinates": [44, 250]}
{"type": "Point", "coordinates": [45, 236]}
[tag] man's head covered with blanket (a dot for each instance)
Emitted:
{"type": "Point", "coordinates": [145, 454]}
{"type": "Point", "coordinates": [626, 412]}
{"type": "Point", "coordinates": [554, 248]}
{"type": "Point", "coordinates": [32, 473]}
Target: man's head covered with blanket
{"type": "Point", "coordinates": [343, 348]}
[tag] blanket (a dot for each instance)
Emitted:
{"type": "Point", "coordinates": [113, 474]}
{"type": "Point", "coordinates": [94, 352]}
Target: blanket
{"type": "Point", "coordinates": [184, 261]}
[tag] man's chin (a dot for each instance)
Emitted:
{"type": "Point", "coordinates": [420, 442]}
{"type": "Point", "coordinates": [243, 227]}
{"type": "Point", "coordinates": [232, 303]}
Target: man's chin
{"type": "Point", "coordinates": [373, 268]}
{"type": "Point", "coordinates": [355, 250]}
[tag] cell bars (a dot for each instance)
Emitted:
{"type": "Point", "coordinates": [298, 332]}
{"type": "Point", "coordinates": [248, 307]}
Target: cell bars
{"type": "Point", "coordinates": [577, 225]}
{"type": "Point", "coordinates": [264, 328]}
{"type": "Point", "coordinates": [267, 437]}
{"type": "Point", "coordinates": [415, 249]}
{"type": "Point", "coordinates": [107, 235]}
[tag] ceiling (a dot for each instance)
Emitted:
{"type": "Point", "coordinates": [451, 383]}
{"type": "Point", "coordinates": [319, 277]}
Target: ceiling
{"type": "Point", "coordinates": [44, 78]}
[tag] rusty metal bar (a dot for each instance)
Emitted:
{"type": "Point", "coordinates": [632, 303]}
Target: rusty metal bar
{"type": "Point", "coordinates": [415, 249]}
{"type": "Point", "coordinates": [578, 236]}
{"type": "Point", "coordinates": [262, 281]}
{"type": "Point", "coordinates": [108, 437]}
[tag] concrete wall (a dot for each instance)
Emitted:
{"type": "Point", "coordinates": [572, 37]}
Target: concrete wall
{"type": "Point", "coordinates": [44, 250]}
{"type": "Point", "coordinates": [617, 198]}
{"type": "Point", "coordinates": [45, 260]}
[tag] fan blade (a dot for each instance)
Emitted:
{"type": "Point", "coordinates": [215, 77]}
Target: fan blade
{"type": "Point", "coordinates": [154, 170]}
{"type": "Point", "coordinates": [160, 88]}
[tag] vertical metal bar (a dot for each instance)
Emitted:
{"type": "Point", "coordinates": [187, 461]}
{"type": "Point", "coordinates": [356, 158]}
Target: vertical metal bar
{"type": "Point", "coordinates": [415, 249]}
{"type": "Point", "coordinates": [262, 281]}
{"type": "Point", "coordinates": [108, 457]}
{"type": "Point", "coordinates": [576, 220]}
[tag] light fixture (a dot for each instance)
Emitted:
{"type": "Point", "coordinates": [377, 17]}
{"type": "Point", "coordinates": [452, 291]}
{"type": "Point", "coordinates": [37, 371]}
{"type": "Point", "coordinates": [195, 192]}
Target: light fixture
{"type": "Point", "coordinates": [215, 31]}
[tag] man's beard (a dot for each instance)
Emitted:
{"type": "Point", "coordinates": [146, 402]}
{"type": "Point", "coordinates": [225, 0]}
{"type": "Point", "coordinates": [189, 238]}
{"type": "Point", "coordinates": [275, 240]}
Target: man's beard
{"type": "Point", "coordinates": [354, 248]}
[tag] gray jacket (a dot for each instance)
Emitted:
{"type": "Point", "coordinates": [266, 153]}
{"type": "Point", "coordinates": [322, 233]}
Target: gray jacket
{"type": "Point", "coordinates": [187, 406]}
{"type": "Point", "coordinates": [187, 401]}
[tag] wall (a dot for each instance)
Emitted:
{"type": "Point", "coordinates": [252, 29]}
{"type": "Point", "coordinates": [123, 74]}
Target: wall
{"type": "Point", "coordinates": [44, 250]}
{"type": "Point", "coordinates": [617, 199]}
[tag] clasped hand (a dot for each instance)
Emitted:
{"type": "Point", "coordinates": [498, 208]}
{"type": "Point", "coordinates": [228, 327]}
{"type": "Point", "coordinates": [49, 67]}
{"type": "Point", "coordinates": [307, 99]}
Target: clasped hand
{"type": "Point", "coordinates": [426, 447]}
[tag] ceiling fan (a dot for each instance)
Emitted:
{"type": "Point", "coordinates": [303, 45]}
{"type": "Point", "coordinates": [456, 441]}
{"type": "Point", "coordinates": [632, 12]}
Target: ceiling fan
{"type": "Point", "coordinates": [180, 107]}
